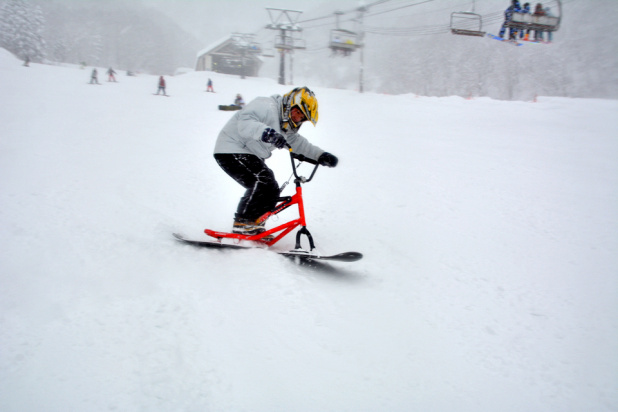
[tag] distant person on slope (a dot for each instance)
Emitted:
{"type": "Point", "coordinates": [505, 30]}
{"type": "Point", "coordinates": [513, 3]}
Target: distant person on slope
{"type": "Point", "coordinates": [249, 137]}
{"type": "Point", "coordinates": [110, 75]}
{"type": "Point", "coordinates": [209, 86]}
{"type": "Point", "coordinates": [161, 86]}
{"type": "Point", "coordinates": [238, 101]}
{"type": "Point", "coordinates": [94, 77]}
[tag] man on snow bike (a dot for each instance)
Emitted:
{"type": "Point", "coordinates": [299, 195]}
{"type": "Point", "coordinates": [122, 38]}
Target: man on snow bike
{"type": "Point", "coordinates": [249, 137]}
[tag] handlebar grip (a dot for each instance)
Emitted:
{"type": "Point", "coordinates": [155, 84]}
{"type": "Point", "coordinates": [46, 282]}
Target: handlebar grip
{"type": "Point", "coordinates": [303, 158]}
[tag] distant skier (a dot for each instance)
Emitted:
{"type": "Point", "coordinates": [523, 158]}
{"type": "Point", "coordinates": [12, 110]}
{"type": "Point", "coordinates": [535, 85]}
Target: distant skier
{"type": "Point", "coordinates": [161, 86]}
{"type": "Point", "coordinates": [94, 77]}
{"type": "Point", "coordinates": [110, 75]}
{"type": "Point", "coordinates": [27, 61]}
{"type": "Point", "coordinates": [209, 86]}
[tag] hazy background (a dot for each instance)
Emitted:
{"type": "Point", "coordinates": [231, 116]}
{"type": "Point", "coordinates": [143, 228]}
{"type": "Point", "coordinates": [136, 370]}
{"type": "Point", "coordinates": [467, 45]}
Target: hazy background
{"type": "Point", "coordinates": [408, 45]}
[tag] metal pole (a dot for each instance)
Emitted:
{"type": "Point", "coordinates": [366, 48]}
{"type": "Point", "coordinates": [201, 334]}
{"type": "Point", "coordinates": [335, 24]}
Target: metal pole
{"type": "Point", "coordinates": [242, 63]}
{"type": "Point", "coordinates": [276, 24]}
{"type": "Point", "coordinates": [282, 60]}
{"type": "Point", "coordinates": [361, 10]}
{"type": "Point", "coordinates": [337, 14]}
{"type": "Point", "coordinates": [362, 63]}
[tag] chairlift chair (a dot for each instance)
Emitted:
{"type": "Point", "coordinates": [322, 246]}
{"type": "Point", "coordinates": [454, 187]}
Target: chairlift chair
{"type": "Point", "coordinates": [269, 51]}
{"type": "Point", "coordinates": [284, 42]}
{"type": "Point", "coordinates": [255, 48]}
{"type": "Point", "coordinates": [343, 41]}
{"type": "Point", "coordinates": [529, 21]}
{"type": "Point", "coordinates": [289, 43]}
{"type": "Point", "coordinates": [299, 43]}
{"type": "Point", "coordinates": [467, 24]}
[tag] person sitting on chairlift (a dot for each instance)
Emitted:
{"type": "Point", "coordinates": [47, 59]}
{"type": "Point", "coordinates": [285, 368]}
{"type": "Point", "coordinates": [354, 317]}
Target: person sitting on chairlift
{"type": "Point", "coordinates": [538, 11]}
{"type": "Point", "coordinates": [508, 16]}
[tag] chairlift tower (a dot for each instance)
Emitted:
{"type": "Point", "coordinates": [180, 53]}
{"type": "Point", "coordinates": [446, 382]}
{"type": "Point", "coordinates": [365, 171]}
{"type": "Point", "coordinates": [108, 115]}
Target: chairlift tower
{"type": "Point", "coordinates": [285, 21]}
{"type": "Point", "coordinates": [361, 45]}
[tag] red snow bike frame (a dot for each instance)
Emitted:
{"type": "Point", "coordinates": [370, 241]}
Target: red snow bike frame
{"type": "Point", "coordinates": [269, 237]}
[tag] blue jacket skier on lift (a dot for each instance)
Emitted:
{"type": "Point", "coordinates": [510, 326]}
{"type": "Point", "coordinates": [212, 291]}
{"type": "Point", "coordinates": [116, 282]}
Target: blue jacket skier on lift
{"type": "Point", "coordinates": [525, 34]}
{"type": "Point", "coordinates": [508, 16]}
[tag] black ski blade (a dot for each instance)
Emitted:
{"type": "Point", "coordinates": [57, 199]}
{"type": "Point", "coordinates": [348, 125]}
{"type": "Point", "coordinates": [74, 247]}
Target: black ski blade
{"type": "Point", "coordinates": [303, 255]}
{"type": "Point", "coordinates": [340, 257]}
{"type": "Point", "coordinates": [206, 243]}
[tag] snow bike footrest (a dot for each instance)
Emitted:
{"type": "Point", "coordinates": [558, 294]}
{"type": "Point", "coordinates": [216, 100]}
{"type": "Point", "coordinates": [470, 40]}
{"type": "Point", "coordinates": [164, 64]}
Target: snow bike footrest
{"type": "Point", "coordinates": [238, 237]}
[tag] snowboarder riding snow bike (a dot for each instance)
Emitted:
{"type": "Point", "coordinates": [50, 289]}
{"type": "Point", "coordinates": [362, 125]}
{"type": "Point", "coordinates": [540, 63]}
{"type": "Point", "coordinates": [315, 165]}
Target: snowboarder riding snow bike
{"type": "Point", "coordinates": [271, 236]}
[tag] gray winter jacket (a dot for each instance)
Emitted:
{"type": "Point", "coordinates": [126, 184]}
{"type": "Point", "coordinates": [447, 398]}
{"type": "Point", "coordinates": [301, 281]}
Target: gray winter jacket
{"type": "Point", "coordinates": [243, 132]}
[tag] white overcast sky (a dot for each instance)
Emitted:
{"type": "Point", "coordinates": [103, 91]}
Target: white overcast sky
{"type": "Point", "coordinates": [209, 20]}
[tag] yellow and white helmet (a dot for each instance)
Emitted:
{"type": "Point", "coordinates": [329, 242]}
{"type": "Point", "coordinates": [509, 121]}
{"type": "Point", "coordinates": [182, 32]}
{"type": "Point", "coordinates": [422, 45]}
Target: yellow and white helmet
{"type": "Point", "coordinates": [305, 100]}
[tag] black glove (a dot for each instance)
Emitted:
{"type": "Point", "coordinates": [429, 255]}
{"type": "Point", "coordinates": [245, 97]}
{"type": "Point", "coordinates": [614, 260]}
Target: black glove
{"type": "Point", "coordinates": [271, 136]}
{"type": "Point", "coordinates": [327, 159]}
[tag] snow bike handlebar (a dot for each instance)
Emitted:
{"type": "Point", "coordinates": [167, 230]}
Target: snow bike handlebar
{"type": "Point", "coordinates": [271, 136]}
{"type": "Point", "coordinates": [302, 158]}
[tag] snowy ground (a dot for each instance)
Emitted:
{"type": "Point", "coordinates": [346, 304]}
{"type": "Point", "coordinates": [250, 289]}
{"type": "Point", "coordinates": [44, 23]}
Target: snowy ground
{"type": "Point", "coordinates": [489, 231]}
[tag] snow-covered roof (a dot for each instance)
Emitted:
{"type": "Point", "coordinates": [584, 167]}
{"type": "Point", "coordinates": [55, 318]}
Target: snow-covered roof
{"type": "Point", "coordinates": [213, 46]}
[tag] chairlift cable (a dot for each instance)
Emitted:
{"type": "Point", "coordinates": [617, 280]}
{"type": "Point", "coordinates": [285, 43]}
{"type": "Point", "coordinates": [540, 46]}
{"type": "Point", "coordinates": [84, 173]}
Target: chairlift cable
{"type": "Point", "coordinates": [489, 18]}
{"type": "Point", "coordinates": [398, 8]}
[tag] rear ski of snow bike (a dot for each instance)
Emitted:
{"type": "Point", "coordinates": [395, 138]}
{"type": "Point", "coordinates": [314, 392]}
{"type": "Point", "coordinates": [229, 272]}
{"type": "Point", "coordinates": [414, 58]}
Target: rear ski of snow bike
{"type": "Point", "coordinates": [271, 236]}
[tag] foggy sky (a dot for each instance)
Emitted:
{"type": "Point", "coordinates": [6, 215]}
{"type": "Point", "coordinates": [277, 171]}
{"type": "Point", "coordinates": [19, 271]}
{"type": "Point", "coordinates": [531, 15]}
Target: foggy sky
{"type": "Point", "coordinates": [400, 53]}
{"type": "Point", "coordinates": [209, 20]}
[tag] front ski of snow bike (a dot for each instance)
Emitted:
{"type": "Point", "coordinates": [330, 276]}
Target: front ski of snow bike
{"type": "Point", "coordinates": [271, 236]}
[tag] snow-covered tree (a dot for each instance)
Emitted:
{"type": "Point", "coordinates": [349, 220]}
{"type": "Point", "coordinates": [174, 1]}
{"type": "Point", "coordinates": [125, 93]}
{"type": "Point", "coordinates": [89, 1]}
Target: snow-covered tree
{"type": "Point", "coordinates": [21, 28]}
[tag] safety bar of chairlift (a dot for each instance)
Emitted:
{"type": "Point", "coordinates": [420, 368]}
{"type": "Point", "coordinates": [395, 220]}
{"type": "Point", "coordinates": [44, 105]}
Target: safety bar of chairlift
{"type": "Point", "coordinates": [530, 21]}
{"type": "Point", "coordinates": [469, 16]}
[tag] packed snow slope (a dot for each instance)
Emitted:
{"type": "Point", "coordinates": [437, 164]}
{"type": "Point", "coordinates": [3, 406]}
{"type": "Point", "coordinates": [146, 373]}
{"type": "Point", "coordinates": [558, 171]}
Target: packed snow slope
{"type": "Point", "coordinates": [489, 230]}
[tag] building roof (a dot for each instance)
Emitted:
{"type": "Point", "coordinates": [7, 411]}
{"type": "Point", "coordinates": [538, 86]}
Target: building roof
{"type": "Point", "coordinates": [214, 46]}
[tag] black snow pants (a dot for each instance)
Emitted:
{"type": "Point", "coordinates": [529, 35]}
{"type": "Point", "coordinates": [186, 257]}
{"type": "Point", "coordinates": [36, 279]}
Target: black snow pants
{"type": "Point", "coordinates": [252, 174]}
